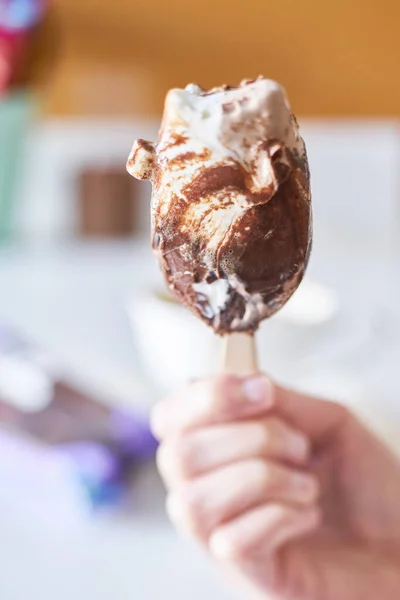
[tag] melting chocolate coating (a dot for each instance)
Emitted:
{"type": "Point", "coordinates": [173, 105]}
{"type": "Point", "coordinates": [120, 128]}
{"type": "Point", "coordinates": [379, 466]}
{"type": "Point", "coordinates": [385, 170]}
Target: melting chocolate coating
{"type": "Point", "coordinates": [218, 229]}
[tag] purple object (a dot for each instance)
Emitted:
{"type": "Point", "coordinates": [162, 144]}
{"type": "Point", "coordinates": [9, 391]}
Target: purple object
{"type": "Point", "coordinates": [132, 435]}
{"type": "Point", "coordinates": [60, 414]}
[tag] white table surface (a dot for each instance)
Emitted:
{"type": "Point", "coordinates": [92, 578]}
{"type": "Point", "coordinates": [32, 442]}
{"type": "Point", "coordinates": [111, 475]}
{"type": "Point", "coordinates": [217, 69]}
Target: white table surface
{"type": "Point", "coordinates": [72, 298]}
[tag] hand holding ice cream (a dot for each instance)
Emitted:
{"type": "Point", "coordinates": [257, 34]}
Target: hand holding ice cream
{"type": "Point", "coordinates": [293, 494]}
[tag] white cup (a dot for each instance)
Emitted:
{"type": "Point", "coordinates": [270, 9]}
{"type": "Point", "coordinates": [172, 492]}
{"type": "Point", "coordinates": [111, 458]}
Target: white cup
{"type": "Point", "coordinates": [173, 346]}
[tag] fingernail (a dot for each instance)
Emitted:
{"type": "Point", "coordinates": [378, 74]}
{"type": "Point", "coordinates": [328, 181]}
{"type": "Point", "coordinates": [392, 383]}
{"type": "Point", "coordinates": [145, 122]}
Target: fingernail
{"type": "Point", "coordinates": [257, 389]}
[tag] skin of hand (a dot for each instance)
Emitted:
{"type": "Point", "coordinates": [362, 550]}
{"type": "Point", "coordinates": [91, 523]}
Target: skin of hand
{"type": "Point", "coordinates": [292, 494]}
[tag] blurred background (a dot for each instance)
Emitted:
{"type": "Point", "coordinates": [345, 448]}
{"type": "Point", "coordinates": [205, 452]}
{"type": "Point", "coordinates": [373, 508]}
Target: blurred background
{"type": "Point", "coordinates": [88, 341]}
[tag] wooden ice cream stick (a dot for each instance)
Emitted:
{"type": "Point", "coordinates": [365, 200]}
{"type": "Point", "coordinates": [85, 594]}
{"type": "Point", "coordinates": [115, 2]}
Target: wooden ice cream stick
{"type": "Point", "coordinates": [239, 354]}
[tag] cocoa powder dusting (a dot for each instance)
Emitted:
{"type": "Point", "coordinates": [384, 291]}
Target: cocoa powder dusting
{"type": "Point", "coordinates": [181, 159]}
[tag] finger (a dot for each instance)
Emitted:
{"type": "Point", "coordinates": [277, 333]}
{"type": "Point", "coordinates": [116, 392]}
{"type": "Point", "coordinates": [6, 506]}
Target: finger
{"type": "Point", "coordinates": [262, 531]}
{"type": "Point", "coordinates": [209, 448]}
{"type": "Point", "coordinates": [318, 419]}
{"type": "Point", "coordinates": [220, 399]}
{"type": "Point", "coordinates": [206, 502]}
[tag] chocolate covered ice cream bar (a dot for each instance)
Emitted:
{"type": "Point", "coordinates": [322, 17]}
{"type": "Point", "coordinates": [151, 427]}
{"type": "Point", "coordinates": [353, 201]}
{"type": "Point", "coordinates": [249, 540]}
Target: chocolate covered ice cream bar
{"type": "Point", "coordinates": [231, 202]}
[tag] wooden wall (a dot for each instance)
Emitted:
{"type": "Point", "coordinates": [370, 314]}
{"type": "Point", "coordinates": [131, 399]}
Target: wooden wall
{"type": "Point", "coordinates": [335, 58]}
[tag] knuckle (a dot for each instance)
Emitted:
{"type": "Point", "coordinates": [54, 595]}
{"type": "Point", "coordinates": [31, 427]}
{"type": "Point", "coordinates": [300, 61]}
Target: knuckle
{"type": "Point", "coordinates": [174, 458]}
{"type": "Point", "coordinates": [162, 458]}
{"type": "Point", "coordinates": [156, 420]}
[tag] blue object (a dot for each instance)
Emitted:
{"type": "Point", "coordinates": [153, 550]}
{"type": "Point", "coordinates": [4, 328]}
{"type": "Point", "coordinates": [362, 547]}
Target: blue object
{"type": "Point", "coordinates": [17, 15]}
{"type": "Point", "coordinates": [98, 470]}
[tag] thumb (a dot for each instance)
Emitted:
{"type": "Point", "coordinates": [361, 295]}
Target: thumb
{"type": "Point", "coordinates": [318, 419]}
